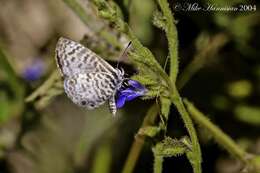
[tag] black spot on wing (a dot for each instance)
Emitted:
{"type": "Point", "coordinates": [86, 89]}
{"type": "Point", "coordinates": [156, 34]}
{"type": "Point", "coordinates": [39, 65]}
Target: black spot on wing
{"type": "Point", "coordinates": [74, 50]}
{"type": "Point", "coordinates": [83, 103]}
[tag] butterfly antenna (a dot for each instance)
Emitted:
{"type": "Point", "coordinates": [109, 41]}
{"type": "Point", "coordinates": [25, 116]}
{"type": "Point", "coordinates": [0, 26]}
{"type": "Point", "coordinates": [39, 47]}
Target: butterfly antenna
{"type": "Point", "coordinates": [123, 54]}
{"type": "Point", "coordinates": [166, 62]}
{"type": "Point", "coordinates": [164, 67]}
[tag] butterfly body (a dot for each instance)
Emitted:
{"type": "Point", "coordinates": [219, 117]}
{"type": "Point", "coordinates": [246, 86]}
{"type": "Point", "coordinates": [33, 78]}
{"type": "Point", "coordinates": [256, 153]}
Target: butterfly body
{"type": "Point", "coordinates": [89, 81]}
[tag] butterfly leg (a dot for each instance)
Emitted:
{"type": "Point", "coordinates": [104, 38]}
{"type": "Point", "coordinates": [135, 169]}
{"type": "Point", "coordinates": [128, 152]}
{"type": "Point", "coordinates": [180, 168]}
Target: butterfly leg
{"type": "Point", "coordinates": [112, 105]}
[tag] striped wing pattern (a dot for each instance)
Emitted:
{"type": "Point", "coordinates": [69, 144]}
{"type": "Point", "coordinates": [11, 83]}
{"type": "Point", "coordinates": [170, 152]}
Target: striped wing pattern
{"type": "Point", "coordinates": [72, 58]}
{"type": "Point", "coordinates": [89, 81]}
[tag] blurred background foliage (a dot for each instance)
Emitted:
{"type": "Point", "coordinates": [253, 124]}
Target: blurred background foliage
{"type": "Point", "coordinates": [41, 133]}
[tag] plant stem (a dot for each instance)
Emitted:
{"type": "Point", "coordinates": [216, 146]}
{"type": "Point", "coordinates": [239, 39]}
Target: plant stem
{"type": "Point", "coordinates": [88, 21]}
{"type": "Point", "coordinates": [139, 142]}
{"type": "Point", "coordinates": [78, 10]}
{"type": "Point", "coordinates": [158, 164]}
{"type": "Point", "coordinates": [107, 12]}
{"type": "Point", "coordinates": [10, 73]}
{"type": "Point", "coordinates": [50, 82]}
{"type": "Point", "coordinates": [172, 36]}
{"type": "Point", "coordinates": [196, 152]}
{"type": "Point", "coordinates": [202, 57]}
{"type": "Point", "coordinates": [219, 136]}
{"type": "Point", "coordinates": [15, 84]}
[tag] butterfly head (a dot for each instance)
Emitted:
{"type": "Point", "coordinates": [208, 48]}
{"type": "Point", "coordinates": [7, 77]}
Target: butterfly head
{"type": "Point", "coordinates": [120, 73]}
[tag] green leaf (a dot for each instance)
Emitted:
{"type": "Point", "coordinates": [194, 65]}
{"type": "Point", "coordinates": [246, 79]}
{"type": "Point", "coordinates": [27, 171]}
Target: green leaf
{"type": "Point", "coordinates": [169, 147]}
{"type": "Point", "coordinates": [103, 157]}
{"type": "Point", "coordinates": [159, 20]}
{"type": "Point", "coordinates": [165, 106]}
{"type": "Point", "coordinates": [149, 131]}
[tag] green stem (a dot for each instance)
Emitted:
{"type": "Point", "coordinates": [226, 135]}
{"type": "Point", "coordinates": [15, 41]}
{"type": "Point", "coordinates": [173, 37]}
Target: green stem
{"type": "Point", "coordinates": [16, 86]}
{"type": "Point", "coordinates": [10, 73]}
{"type": "Point", "coordinates": [196, 152]}
{"type": "Point", "coordinates": [102, 157]}
{"type": "Point", "coordinates": [139, 142]}
{"type": "Point", "coordinates": [78, 10]}
{"type": "Point", "coordinates": [107, 12]}
{"type": "Point", "coordinates": [158, 164]}
{"type": "Point", "coordinates": [45, 87]}
{"type": "Point", "coordinates": [88, 21]}
{"type": "Point", "coordinates": [202, 57]}
{"type": "Point", "coordinates": [219, 136]}
{"type": "Point", "coordinates": [172, 36]}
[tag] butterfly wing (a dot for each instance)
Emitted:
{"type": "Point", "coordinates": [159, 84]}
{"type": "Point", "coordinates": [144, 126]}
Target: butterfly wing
{"type": "Point", "coordinates": [73, 58]}
{"type": "Point", "coordinates": [90, 90]}
{"type": "Point", "coordinates": [89, 81]}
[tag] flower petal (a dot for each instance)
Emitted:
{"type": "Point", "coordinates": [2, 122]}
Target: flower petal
{"type": "Point", "coordinates": [135, 84]}
{"type": "Point", "coordinates": [120, 101]}
{"type": "Point", "coordinates": [34, 71]}
{"type": "Point", "coordinates": [133, 96]}
{"type": "Point", "coordinates": [132, 91]}
{"type": "Point", "coordinates": [127, 92]}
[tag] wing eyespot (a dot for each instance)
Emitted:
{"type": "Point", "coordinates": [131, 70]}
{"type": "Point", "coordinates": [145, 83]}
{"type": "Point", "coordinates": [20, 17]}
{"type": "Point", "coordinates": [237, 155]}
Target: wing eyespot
{"type": "Point", "coordinates": [83, 103]}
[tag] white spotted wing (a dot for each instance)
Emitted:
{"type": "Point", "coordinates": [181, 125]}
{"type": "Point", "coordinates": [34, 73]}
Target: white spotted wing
{"type": "Point", "coordinates": [89, 81]}
{"type": "Point", "coordinates": [72, 58]}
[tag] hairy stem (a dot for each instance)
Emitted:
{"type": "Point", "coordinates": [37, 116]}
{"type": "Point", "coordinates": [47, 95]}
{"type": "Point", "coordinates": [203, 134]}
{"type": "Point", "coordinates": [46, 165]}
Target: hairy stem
{"type": "Point", "coordinates": [107, 12]}
{"type": "Point", "coordinates": [196, 152]}
{"type": "Point", "coordinates": [172, 36]}
{"type": "Point", "coordinates": [158, 164]}
{"type": "Point", "coordinates": [219, 136]}
{"type": "Point", "coordinates": [77, 8]}
{"type": "Point", "coordinates": [202, 57]}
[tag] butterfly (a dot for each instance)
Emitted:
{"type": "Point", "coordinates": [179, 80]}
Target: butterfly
{"type": "Point", "coordinates": [89, 81]}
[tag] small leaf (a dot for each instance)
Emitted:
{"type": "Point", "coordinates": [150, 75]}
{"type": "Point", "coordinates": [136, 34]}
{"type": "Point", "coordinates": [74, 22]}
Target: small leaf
{"type": "Point", "coordinates": [186, 141]}
{"type": "Point", "coordinates": [149, 131]}
{"type": "Point", "coordinates": [169, 147]}
{"type": "Point", "coordinates": [145, 79]}
{"type": "Point", "coordinates": [165, 106]}
{"type": "Point", "coordinates": [159, 20]}
{"type": "Point", "coordinates": [144, 62]}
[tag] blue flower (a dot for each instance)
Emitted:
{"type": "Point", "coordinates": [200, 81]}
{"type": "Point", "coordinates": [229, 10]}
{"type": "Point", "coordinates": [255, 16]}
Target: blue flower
{"type": "Point", "coordinates": [34, 70]}
{"type": "Point", "coordinates": [129, 92]}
